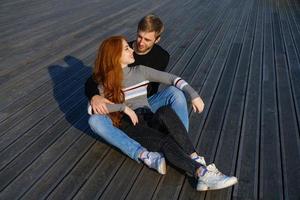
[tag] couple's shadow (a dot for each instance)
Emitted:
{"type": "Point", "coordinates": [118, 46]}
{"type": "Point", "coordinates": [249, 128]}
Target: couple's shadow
{"type": "Point", "coordinates": [68, 89]}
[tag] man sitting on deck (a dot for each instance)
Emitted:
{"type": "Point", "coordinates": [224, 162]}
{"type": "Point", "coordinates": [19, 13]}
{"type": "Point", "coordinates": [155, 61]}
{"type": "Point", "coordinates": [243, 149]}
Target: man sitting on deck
{"type": "Point", "coordinates": [148, 53]}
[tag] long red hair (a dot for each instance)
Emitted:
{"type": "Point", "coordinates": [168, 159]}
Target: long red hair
{"type": "Point", "coordinates": [108, 72]}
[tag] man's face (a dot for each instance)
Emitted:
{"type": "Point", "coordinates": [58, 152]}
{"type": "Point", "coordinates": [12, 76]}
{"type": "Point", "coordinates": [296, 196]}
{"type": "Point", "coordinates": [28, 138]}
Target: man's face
{"type": "Point", "coordinates": [145, 41]}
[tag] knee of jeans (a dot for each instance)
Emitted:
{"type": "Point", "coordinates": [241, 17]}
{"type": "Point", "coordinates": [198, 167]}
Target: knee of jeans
{"type": "Point", "coordinates": [177, 95]}
{"type": "Point", "coordinates": [96, 121]}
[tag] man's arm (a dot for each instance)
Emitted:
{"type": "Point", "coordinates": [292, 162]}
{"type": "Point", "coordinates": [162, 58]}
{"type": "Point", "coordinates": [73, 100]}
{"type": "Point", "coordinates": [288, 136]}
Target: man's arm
{"type": "Point", "coordinates": [98, 102]}
{"type": "Point", "coordinates": [91, 88]}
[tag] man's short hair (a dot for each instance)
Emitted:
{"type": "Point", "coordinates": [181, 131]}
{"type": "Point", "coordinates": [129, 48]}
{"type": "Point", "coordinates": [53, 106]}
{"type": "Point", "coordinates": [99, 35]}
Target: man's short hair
{"type": "Point", "coordinates": [151, 23]}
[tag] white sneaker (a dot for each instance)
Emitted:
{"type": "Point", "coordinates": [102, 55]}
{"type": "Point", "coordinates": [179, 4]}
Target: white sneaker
{"type": "Point", "coordinates": [200, 159]}
{"type": "Point", "coordinates": [156, 161]}
{"type": "Point", "coordinates": [213, 179]}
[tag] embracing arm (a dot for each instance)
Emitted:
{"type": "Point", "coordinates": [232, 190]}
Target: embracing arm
{"type": "Point", "coordinates": [91, 88]}
{"type": "Point", "coordinates": [98, 103]}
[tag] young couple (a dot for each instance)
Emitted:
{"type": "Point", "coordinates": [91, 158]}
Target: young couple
{"type": "Point", "coordinates": [128, 111]}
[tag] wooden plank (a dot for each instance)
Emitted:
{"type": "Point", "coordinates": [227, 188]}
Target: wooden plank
{"type": "Point", "coordinates": [40, 118]}
{"type": "Point", "coordinates": [248, 158]}
{"type": "Point", "coordinates": [14, 168]}
{"type": "Point", "coordinates": [41, 165]}
{"type": "Point", "coordinates": [37, 144]}
{"type": "Point", "coordinates": [13, 120]}
{"type": "Point", "coordinates": [238, 65]}
{"type": "Point", "coordinates": [289, 129]}
{"type": "Point", "coordinates": [270, 167]}
{"type": "Point", "coordinates": [205, 144]}
{"type": "Point", "coordinates": [294, 13]}
{"type": "Point", "coordinates": [33, 137]}
{"type": "Point", "coordinates": [215, 42]}
{"type": "Point", "coordinates": [47, 15]}
{"type": "Point", "coordinates": [164, 191]}
{"type": "Point", "coordinates": [24, 85]}
{"type": "Point", "coordinates": [192, 50]}
{"type": "Point", "coordinates": [70, 172]}
{"type": "Point", "coordinates": [49, 29]}
{"type": "Point", "coordinates": [102, 175]}
{"type": "Point", "coordinates": [294, 66]}
{"type": "Point", "coordinates": [144, 186]}
{"type": "Point", "coordinates": [58, 91]}
{"type": "Point", "coordinates": [45, 109]}
{"type": "Point", "coordinates": [192, 24]}
{"type": "Point", "coordinates": [128, 173]}
{"type": "Point", "coordinates": [87, 54]}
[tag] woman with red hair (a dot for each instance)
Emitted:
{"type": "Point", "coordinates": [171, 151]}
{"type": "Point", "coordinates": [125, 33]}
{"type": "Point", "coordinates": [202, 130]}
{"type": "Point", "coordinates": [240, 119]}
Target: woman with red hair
{"type": "Point", "coordinates": [161, 131]}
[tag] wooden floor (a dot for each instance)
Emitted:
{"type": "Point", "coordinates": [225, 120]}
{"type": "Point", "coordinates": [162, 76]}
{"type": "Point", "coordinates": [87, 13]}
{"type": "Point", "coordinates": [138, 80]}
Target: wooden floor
{"type": "Point", "coordinates": [242, 56]}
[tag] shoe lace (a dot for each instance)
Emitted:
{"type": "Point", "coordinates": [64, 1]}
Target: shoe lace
{"type": "Point", "coordinates": [200, 160]}
{"type": "Point", "coordinates": [214, 169]}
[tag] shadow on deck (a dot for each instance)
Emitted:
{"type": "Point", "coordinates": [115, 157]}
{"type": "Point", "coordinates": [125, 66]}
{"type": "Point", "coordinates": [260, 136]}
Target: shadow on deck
{"type": "Point", "coordinates": [242, 56]}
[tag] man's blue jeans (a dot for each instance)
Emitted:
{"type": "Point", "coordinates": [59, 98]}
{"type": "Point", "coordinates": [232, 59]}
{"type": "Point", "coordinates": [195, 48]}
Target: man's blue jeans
{"type": "Point", "coordinates": [103, 126]}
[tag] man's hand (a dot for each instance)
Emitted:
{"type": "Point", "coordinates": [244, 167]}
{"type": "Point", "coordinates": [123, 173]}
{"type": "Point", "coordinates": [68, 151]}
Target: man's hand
{"type": "Point", "coordinates": [98, 104]}
{"type": "Point", "coordinates": [198, 105]}
{"type": "Point", "coordinates": [128, 111]}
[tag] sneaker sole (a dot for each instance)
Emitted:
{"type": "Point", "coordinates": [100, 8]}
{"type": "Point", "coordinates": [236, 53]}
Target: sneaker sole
{"type": "Point", "coordinates": [162, 169]}
{"type": "Point", "coordinates": [202, 189]}
{"type": "Point", "coordinates": [224, 186]}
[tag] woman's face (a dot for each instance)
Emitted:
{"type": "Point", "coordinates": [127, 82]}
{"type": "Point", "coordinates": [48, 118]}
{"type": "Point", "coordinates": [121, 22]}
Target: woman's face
{"type": "Point", "coordinates": [127, 54]}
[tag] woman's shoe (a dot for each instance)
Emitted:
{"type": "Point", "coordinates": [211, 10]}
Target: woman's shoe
{"type": "Point", "coordinates": [156, 161]}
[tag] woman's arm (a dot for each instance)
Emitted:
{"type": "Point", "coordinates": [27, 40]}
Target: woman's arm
{"type": "Point", "coordinates": [115, 107]}
{"type": "Point", "coordinates": [167, 78]}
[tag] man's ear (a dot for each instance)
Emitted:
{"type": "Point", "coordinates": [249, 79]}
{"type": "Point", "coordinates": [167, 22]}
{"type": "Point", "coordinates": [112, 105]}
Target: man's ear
{"type": "Point", "coordinates": [157, 40]}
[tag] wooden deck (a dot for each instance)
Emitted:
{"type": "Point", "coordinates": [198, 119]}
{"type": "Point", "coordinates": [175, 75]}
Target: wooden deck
{"type": "Point", "coordinates": [242, 56]}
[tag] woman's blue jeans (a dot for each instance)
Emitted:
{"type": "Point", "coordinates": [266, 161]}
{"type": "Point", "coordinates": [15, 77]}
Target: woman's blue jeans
{"type": "Point", "coordinates": [103, 126]}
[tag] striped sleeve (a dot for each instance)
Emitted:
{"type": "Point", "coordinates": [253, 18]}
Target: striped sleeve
{"type": "Point", "coordinates": [167, 78]}
{"type": "Point", "coordinates": [179, 83]}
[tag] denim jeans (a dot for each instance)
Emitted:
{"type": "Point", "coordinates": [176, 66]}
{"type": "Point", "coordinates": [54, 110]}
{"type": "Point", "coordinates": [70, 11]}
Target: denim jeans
{"type": "Point", "coordinates": [163, 132]}
{"type": "Point", "coordinates": [102, 125]}
{"type": "Point", "coordinates": [173, 97]}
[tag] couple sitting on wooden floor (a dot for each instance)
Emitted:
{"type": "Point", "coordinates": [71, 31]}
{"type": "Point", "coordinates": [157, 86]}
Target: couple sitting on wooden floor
{"type": "Point", "coordinates": [128, 111]}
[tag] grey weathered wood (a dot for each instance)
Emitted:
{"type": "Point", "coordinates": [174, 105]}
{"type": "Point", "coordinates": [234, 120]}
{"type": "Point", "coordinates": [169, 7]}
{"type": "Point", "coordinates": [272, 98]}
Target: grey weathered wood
{"type": "Point", "coordinates": [226, 152]}
{"type": "Point", "coordinates": [271, 186]}
{"type": "Point", "coordinates": [219, 67]}
{"type": "Point", "coordinates": [247, 162]}
{"type": "Point", "coordinates": [214, 23]}
{"type": "Point", "coordinates": [287, 112]}
{"type": "Point", "coordinates": [243, 58]}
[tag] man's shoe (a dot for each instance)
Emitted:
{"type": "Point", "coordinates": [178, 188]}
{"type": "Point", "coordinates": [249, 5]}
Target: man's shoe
{"type": "Point", "coordinates": [156, 161]}
{"type": "Point", "coordinates": [214, 179]}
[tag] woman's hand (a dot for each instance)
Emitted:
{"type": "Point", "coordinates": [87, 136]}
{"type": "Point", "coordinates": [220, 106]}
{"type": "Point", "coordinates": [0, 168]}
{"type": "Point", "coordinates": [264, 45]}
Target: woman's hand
{"type": "Point", "coordinates": [198, 105]}
{"type": "Point", "coordinates": [128, 111]}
